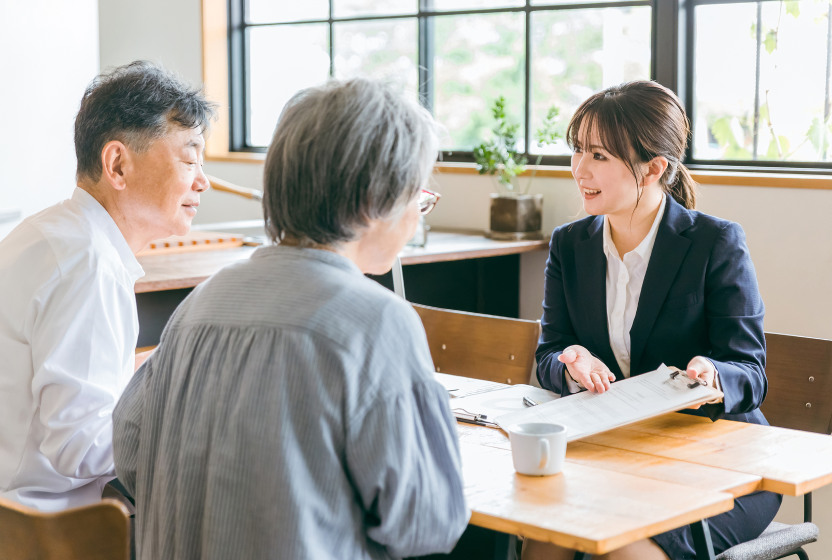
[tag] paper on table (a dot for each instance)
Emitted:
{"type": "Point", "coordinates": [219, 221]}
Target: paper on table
{"type": "Point", "coordinates": [627, 401]}
{"type": "Point", "coordinates": [504, 401]}
{"type": "Point", "coordinates": [465, 386]}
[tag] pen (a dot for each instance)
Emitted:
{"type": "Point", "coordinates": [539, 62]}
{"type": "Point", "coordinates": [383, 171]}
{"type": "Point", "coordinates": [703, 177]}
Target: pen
{"type": "Point", "coordinates": [528, 402]}
{"type": "Point", "coordinates": [478, 422]}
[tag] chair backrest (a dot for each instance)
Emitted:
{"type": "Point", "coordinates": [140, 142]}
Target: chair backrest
{"type": "Point", "coordinates": [799, 372]}
{"type": "Point", "coordinates": [97, 532]}
{"type": "Point", "coordinates": [480, 346]}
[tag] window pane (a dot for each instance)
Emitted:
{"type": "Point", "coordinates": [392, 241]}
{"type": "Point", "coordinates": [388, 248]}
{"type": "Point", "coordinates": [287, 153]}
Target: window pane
{"type": "Point", "coordinates": [269, 11]}
{"type": "Point", "coordinates": [352, 8]}
{"type": "Point", "coordinates": [274, 77]}
{"type": "Point", "coordinates": [445, 5]}
{"type": "Point", "coordinates": [383, 49]}
{"type": "Point", "coordinates": [553, 2]}
{"type": "Point", "coordinates": [793, 111]}
{"type": "Point", "coordinates": [576, 53]}
{"type": "Point", "coordinates": [478, 58]}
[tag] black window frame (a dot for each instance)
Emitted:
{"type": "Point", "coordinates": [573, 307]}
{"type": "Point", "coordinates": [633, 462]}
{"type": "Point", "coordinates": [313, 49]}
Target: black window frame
{"type": "Point", "coordinates": [672, 65]}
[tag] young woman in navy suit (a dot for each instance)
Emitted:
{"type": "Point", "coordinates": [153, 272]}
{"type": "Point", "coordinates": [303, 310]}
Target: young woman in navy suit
{"type": "Point", "coordinates": [646, 280]}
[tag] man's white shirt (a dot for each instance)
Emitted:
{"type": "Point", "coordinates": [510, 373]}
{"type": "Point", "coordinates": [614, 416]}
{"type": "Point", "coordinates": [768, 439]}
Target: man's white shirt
{"type": "Point", "coordinates": [68, 332]}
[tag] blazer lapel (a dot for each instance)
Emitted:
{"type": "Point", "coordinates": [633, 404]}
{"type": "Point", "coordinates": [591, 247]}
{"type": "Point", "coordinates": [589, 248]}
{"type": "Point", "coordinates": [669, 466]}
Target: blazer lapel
{"type": "Point", "coordinates": [668, 254]}
{"type": "Point", "coordinates": [591, 270]}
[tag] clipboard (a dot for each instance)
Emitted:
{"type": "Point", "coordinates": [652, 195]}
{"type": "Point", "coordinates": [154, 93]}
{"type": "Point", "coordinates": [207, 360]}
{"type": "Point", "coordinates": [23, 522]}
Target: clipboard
{"type": "Point", "coordinates": [630, 400]}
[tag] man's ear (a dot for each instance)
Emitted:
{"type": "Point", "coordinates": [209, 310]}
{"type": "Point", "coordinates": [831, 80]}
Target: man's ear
{"type": "Point", "coordinates": [115, 159]}
{"type": "Point", "coordinates": [655, 170]}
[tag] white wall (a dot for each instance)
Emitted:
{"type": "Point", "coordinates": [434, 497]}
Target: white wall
{"type": "Point", "coordinates": [48, 55]}
{"type": "Point", "coordinates": [788, 230]}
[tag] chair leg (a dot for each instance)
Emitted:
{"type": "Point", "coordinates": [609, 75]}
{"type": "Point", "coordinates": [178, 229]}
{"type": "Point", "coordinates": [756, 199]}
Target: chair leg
{"type": "Point", "coordinates": [702, 540]}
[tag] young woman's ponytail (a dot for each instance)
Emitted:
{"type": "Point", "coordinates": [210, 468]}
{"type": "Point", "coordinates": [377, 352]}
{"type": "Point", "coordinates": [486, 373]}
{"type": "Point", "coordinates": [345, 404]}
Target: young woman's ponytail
{"type": "Point", "coordinates": [680, 185]}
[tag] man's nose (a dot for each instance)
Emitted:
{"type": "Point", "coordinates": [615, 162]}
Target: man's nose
{"type": "Point", "coordinates": [201, 182]}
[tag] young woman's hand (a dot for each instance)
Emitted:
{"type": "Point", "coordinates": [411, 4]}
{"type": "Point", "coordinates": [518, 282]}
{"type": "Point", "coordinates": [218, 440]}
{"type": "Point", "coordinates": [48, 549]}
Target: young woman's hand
{"type": "Point", "coordinates": [586, 369]}
{"type": "Point", "coordinates": [703, 369]}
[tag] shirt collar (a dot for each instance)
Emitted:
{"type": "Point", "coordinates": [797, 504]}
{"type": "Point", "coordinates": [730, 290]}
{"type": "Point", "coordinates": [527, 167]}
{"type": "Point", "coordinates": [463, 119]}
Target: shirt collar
{"type": "Point", "coordinates": [329, 257]}
{"type": "Point", "coordinates": [645, 248]}
{"type": "Point", "coordinates": [101, 219]}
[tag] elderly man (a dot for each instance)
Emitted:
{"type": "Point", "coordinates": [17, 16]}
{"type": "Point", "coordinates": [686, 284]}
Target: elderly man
{"type": "Point", "coordinates": [68, 322]}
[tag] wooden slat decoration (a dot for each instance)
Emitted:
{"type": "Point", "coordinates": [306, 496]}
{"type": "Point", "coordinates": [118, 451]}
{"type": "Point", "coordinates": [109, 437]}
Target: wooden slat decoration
{"type": "Point", "coordinates": [629, 462]}
{"type": "Point", "coordinates": [192, 242]}
{"type": "Point", "coordinates": [582, 508]}
{"type": "Point", "coordinates": [790, 462]}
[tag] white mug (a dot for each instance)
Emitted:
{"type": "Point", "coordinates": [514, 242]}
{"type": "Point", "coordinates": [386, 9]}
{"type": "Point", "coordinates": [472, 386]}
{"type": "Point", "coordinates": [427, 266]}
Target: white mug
{"type": "Point", "coordinates": [538, 449]}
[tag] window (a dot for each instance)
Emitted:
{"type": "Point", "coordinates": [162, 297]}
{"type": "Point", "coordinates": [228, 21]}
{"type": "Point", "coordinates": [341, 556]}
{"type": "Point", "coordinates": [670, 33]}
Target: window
{"type": "Point", "coordinates": [761, 83]}
{"type": "Point", "coordinates": [456, 56]}
{"type": "Point", "coordinates": [754, 76]}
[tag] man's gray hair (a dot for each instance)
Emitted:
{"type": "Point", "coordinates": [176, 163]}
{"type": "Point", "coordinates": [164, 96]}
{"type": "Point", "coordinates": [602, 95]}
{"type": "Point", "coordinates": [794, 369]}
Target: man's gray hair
{"type": "Point", "coordinates": [345, 153]}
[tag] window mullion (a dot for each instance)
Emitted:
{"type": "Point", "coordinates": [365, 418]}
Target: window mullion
{"type": "Point", "coordinates": [426, 52]}
{"type": "Point", "coordinates": [331, 40]}
{"type": "Point", "coordinates": [528, 91]}
{"type": "Point", "coordinates": [756, 134]}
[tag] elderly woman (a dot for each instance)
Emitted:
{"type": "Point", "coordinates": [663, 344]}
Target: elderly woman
{"type": "Point", "coordinates": [290, 410]}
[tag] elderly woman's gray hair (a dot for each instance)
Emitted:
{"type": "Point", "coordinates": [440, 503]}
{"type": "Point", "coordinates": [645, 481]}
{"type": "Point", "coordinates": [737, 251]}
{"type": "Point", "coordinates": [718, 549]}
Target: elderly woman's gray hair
{"type": "Point", "coordinates": [345, 153]}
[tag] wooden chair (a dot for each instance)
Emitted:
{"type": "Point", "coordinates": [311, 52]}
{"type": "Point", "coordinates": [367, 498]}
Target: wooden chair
{"type": "Point", "coordinates": [480, 346]}
{"type": "Point", "coordinates": [799, 397]}
{"type": "Point", "coordinates": [97, 532]}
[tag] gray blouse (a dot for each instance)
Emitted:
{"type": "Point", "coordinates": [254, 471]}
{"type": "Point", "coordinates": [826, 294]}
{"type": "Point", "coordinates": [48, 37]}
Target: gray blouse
{"type": "Point", "coordinates": [290, 411]}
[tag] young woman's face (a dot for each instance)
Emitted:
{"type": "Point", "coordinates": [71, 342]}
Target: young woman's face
{"type": "Point", "coordinates": [606, 184]}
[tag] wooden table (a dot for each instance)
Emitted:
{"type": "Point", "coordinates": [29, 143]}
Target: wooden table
{"type": "Point", "coordinates": [186, 270]}
{"type": "Point", "coordinates": [639, 480]}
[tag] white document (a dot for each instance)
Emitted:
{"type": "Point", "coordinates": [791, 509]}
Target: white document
{"type": "Point", "coordinates": [465, 386]}
{"type": "Point", "coordinates": [631, 400]}
{"type": "Point", "coordinates": [492, 404]}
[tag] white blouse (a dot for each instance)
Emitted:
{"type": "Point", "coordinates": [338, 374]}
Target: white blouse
{"type": "Point", "coordinates": [624, 280]}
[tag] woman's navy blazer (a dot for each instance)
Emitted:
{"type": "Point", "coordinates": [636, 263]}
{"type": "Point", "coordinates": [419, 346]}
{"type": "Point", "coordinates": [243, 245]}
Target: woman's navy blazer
{"type": "Point", "coordinates": [699, 298]}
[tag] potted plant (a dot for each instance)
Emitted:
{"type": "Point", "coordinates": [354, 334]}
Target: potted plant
{"type": "Point", "coordinates": [515, 215]}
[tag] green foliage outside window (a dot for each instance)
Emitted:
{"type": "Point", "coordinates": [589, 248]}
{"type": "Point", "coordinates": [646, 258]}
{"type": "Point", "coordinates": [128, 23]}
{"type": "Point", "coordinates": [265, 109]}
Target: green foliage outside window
{"type": "Point", "coordinates": [735, 134]}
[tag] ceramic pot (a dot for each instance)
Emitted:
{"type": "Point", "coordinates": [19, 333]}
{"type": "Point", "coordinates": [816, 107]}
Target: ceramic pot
{"type": "Point", "coordinates": [516, 217]}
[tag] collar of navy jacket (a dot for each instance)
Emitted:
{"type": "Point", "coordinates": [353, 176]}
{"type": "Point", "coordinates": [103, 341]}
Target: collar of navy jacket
{"type": "Point", "coordinates": [591, 267]}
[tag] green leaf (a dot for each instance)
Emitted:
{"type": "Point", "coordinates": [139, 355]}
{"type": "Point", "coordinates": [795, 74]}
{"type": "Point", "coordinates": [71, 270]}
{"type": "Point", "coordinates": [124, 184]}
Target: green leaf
{"type": "Point", "coordinates": [764, 112]}
{"type": "Point", "coordinates": [721, 129]}
{"type": "Point", "coordinates": [770, 41]}
{"type": "Point", "coordinates": [754, 31]}
{"type": "Point", "coordinates": [548, 134]}
{"type": "Point", "coordinates": [778, 149]}
{"type": "Point", "coordinates": [793, 8]}
{"type": "Point", "coordinates": [819, 135]}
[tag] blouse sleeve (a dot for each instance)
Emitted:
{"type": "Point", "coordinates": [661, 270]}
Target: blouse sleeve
{"type": "Point", "coordinates": [402, 446]}
{"type": "Point", "coordinates": [127, 421]}
{"type": "Point", "coordinates": [404, 459]}
{"type": "Point", "coordinates": [734, 313]}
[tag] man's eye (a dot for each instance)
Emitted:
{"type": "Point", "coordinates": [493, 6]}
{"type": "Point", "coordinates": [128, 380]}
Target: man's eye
{"type": "Point", "coordinates": [599, 157]}
{"type": "Point", "coordinates": [577, 150]}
